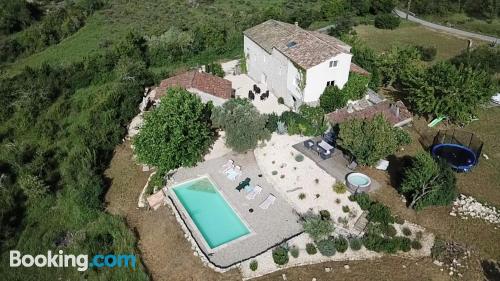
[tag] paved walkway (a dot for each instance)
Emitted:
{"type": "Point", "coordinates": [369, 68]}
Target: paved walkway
{"type": "Point", "coordinates": [336, 166]}
{"type": "Point", "coordinates": [447, 29]}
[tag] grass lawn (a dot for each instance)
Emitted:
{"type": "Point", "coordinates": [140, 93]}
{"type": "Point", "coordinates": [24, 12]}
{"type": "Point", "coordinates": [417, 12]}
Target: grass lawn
{"type": "Point", "coordinates": [482, 183]}
{"type": "Point", "coordinates": [411, 34]}
{"type": "Point", "coordinates": [464, 22]}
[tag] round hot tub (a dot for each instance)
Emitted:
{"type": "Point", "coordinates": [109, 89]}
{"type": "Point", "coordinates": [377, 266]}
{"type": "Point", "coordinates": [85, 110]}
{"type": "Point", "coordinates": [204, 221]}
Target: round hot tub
{"type": "Point", "coordinates": [358, 182]}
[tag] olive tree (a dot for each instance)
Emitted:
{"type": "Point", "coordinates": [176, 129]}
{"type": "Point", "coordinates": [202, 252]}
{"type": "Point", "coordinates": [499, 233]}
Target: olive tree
{"type": "Point", "coordinates": [176, 133]}
{"type": "Point", "coordinates": [371, 140]}
{"type": "Point", "coordinates": [242, 122]}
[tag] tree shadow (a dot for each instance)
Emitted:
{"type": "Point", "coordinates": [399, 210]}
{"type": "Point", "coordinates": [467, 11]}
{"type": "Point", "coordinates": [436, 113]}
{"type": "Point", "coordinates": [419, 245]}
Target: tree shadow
{"type": "Point", "coordinates": [396, 168]}
{"type": "Point", "coordinates": [491, 270]}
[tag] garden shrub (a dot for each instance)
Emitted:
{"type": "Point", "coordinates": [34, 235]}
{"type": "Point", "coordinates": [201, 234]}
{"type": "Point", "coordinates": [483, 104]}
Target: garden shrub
{"type": "Point", "coordinates": [316, 227]}
{"type": "Point", "coordinates": [311, 249]}
{"type": "Point", "coordinates": [254, 265]}
{"type": "Point", "coordinates": [302, 196]}
{"type": "Point", "coordinates": [274, 173]}
{"type": "Point", "coordinates": [280, 255]}
{"type": "Point", "coordinates": [406, 231]}
{"type": "Point", "coordinates": [387, 21]}
{"type": "Point", "coordinates": [380, 213]}
{"type": "Point", "coordinates": [281, 100]}
{"type": "Point", "coordinates": [427, 53]}
{"type": "Point", "coordinates": [341, 244]}
{"type": "Point", "coordinates": [403, 243]}
{"type": "Point", "coordinates": [345, 209]}
{"type": "Point", "coordinates": [363, 200]}
{"type": "Point", "coordinates": [299, 158]}
{"type": "Point", "coordinates": [294, 251]}
{"type": "Point", "coordinates": [215, 69]}
{"type": "Point", "coordinates": [326, 247]}
{"type": "Point", "coordinates": [416, 245]}
{"type": "Point", "coordinates": [325, 215]}
{"type": "Point", "coordinates": [340, 188]}
{"type": "Point", "coordinates": [272, 122]}
{"type": "Point", "coordinates": [390, 230]}
{"type": "Point", "coordinates": [399, 220]}
{"type": "Point", "coordinates": [355, 244]}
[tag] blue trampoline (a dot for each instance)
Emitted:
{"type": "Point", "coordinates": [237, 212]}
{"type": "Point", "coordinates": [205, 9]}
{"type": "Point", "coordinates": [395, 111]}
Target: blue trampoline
{"type": "Point", "coordinates": [450, 146]}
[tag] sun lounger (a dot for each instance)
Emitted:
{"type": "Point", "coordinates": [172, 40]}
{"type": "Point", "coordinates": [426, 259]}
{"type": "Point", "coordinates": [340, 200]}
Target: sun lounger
{"type": "Point", "coordinates": [268, 202]}
{"type": "Point", "coordinates": [229, 164]}
{"type": "Point", "coordinates": [233, 173]}
{"type": "Point", "coordinates": [256, 191]}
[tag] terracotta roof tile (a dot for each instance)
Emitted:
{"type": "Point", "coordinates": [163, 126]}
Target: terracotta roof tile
{"type": "Point", "coordinates": [305, 48]}
{"type": "Point", "coordinates": [201, 81]}
{"type": "Point", "coordinates": [358, 69]}
{"type": "Point", "coordinates": [385, 108]}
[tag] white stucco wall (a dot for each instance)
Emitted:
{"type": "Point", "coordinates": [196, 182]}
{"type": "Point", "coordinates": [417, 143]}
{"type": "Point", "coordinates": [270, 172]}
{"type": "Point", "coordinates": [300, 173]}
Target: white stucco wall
{"type": "Point", "coordinates": [273, 66]}
{"type": "Point", "coordinates": [205, 97]}
{"type": "Point", "coordinates": [318, 76]}
{"type": "Point", "coordinates": [281, 74]}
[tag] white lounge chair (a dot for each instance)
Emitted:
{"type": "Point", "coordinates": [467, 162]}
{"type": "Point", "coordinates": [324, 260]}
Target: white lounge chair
{"type": "Point", "coordinates": [229, 164]}
{"type": "Point", "coordinates": [233, 173]}
{"type": "Point", "coordinates": [268, 202]}
{"type": "Point", "coordinates": [256, 191]}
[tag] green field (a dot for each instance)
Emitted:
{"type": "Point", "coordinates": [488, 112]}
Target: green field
{"type": "Point", "coordinates": [412, 34]}
{"type": "Point", "coordinates": [464, 22]}
{"type": "Point", "coordinates": [109, 25]}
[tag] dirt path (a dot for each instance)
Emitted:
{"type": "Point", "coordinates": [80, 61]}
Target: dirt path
{"type": "Point", "coordinates": [168, 256]}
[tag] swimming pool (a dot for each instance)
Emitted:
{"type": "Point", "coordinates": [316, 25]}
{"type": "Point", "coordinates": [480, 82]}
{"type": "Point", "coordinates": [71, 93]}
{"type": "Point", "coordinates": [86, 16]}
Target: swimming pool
{"type": "Point", "coordinates": [217, 222]}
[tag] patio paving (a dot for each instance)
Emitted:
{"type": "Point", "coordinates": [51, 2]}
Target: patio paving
{"type": "Point", "coordinates": [243, 83]}
{"type": "Point", "coordinates": [336, 166]}
{"type": "Point", "coordinates": [268, 227]}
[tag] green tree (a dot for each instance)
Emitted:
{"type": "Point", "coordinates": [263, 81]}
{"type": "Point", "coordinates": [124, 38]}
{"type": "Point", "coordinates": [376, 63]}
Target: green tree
{"type": "Point", "coordinates": [15, 15]}
{"type": "Point", "coordinates": [332, 99]}
{"type": "Point", "coordinates": [428, 182]}
{"type": "Point", "coordinates": [343, 25]}
{"type": "Point", "coordinates": [356, 86]}
{"type": "Point", "coordinates": [317, 228]}
{"type": "Point", "coordinates": [395, 65]}
{"type": "Point", "coordinates": [176, 133]}
{"type": "Point", "coordinates": [332, 8]}
{"type": "Point", "coordinates": [242, 122]}
{"type": "Point", "coordinates": [383, 6]}
{"type": "Point", "coordinates": [369, 141]}
{"type": "Point", "coordinates": [387, 21]}
{"type": "Point", "coordinates": [445, 89]}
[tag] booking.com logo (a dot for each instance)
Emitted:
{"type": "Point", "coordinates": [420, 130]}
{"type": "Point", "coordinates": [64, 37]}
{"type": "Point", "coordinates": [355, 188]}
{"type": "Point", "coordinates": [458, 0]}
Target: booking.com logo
{"type": "Point", "coordinates": [81, 262]}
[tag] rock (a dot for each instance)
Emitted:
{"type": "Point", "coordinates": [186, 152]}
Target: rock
{"type": "Point", "coordinates": [404, 266]}
{"type": "Point", "coordinates": [438, 263]}
{"type": "Point", "coordinates": [347, 266]}
{"type": "Point", "coordinates": [145, 168]}
{"type": "Point", "coordinates": [451, 273]}
{"type": "Point", "coordinates": [314, 279]}
{"type": "Point", "coordinates": [195, 254]}
{"type": "Point", "coordinates": [283, 276]}
{"type": "Point", "coordinates": [328, 269]}
{"type": "Point", "coordinates": [453, 214]}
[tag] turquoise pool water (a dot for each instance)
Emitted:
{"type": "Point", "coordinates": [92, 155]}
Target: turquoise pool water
{"type": "Point", "coordinates": [210, 212]}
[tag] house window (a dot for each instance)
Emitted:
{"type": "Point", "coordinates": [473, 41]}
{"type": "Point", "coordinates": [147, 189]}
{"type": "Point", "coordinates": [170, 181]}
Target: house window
{"type": "Point", "coordinates": [334, 63]}
{"type": "Point", "coordinates": [330, 83]}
